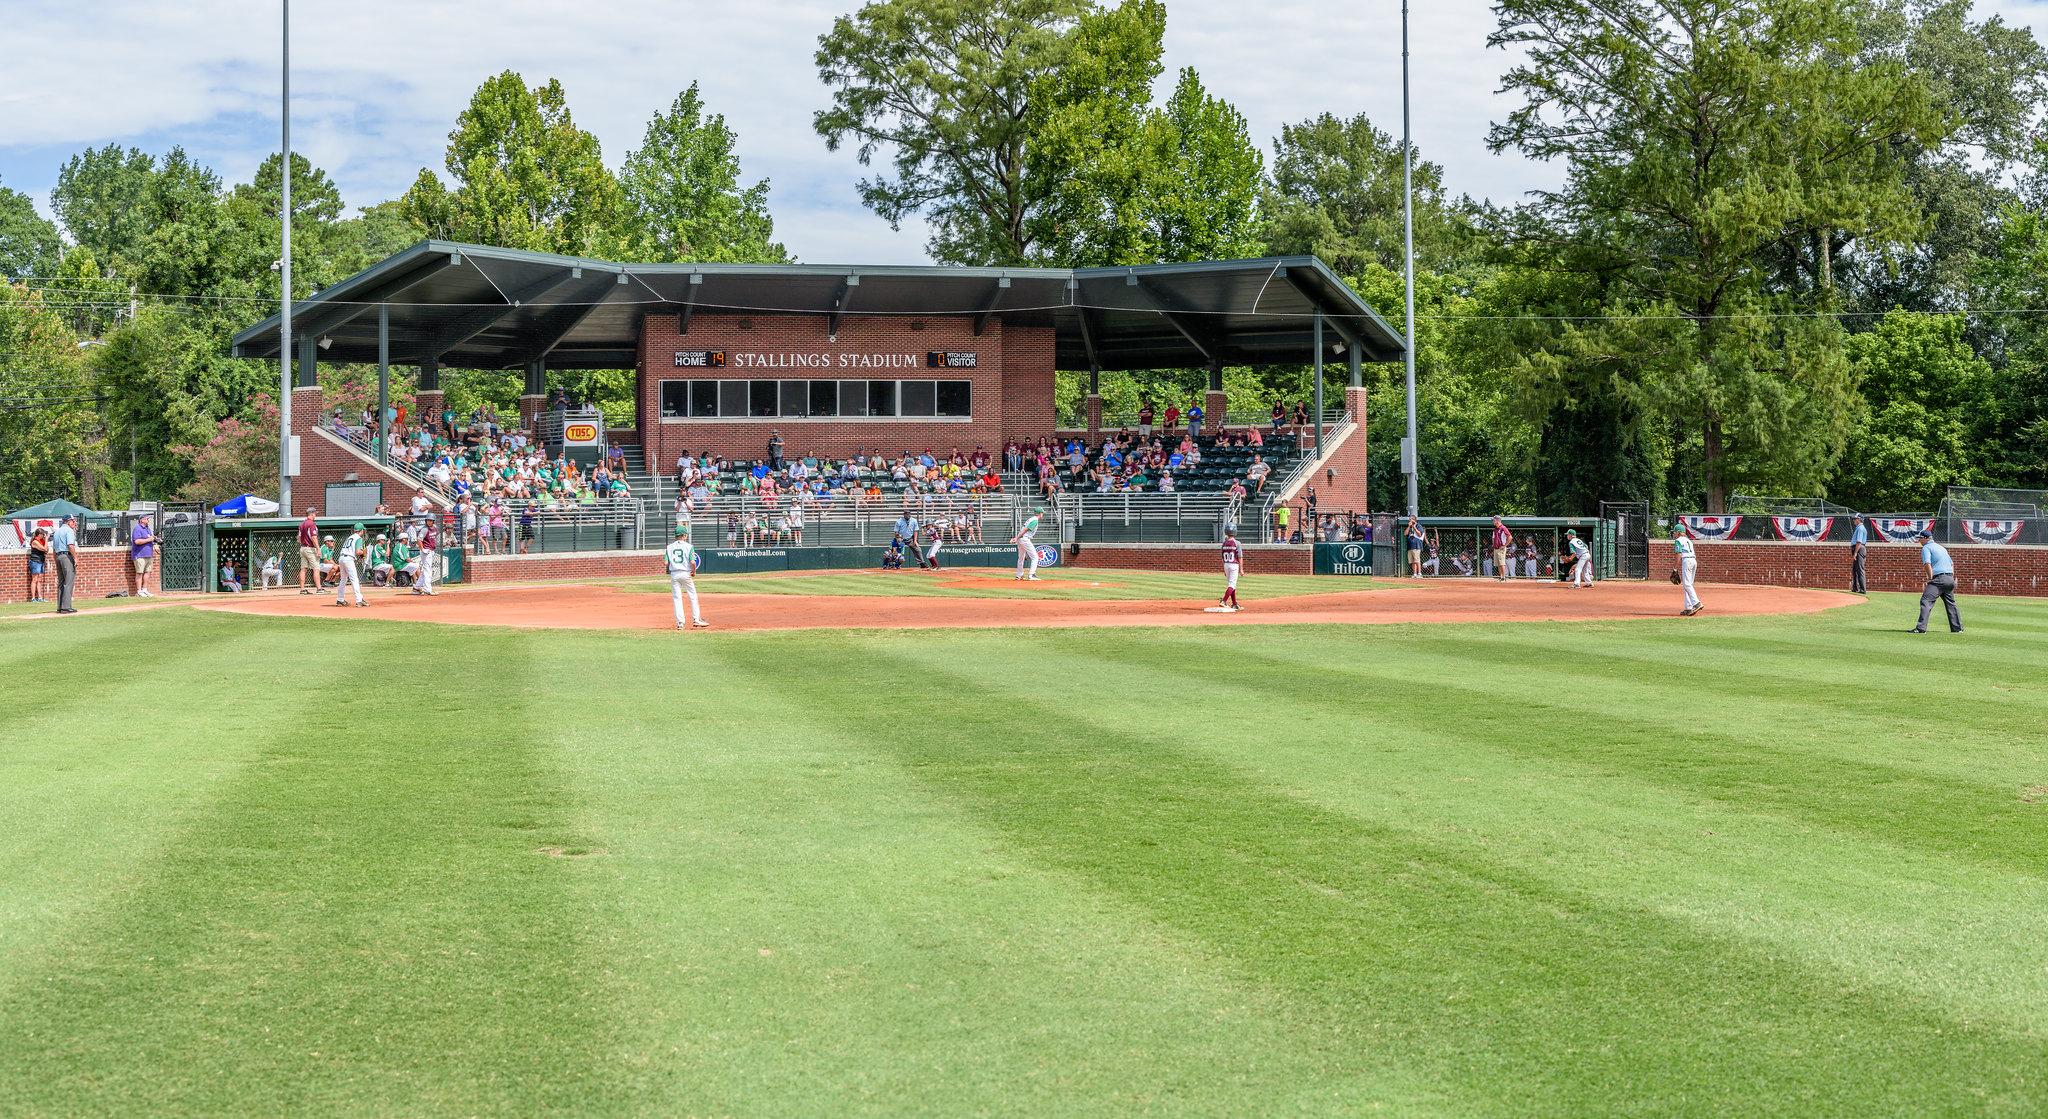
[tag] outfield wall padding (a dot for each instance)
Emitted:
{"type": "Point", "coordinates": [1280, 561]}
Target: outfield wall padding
{"type": "Point", "coordinates": [1278, 559]}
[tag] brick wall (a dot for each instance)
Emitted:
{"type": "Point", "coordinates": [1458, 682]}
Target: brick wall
{"type": "Point", "coordinates": [325, 458]}
{"type": "Point", "coordinates": [101, 572]}
{"type": "Point", "coordinates": [806, 335]}
{"type": "Point", "coordinates": [1259, 559]}
{"type": "Point", "coordinates": [1980, 568]}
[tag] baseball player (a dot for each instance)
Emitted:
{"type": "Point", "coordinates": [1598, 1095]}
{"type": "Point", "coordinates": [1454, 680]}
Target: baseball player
{"type": "Point", "coordinates": [1582, 559]}
{"type": "Point", "coordinates": [681, 558]}
{"type": "Point", "coordinates": [1688, 567]}
{"type": "Point", "coordinates": [423, 576]}
{"type": "Point", "coordinates": [934, 535]}
{"type": "Point", "coordinates": [1027, 549]}
{"type": "Point", "coordinates": [351, 553]}
{"type": "Point", "coordinates": [1233, 563]}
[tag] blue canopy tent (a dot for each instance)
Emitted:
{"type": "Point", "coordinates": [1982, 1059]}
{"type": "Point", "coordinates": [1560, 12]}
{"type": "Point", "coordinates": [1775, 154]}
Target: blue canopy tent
{"type": "Point", "coordinates": [247, 505]}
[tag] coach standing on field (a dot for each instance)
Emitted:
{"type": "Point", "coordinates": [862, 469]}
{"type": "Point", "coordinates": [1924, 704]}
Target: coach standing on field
{"type": "Point", "coordinates": [1858, 545]}
{"type": "Point", "coordinates": [1941, 583]}
{"type": "Point", "coordinates": [64, 548]}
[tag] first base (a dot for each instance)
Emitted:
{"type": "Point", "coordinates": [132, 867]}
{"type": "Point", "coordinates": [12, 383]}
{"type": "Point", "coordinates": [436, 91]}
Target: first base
{"type": "Point", "coordinates": [1217, 610]}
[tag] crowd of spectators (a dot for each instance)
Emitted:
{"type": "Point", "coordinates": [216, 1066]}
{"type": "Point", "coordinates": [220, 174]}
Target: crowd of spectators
{"type": "Point", "coordinates": [488, 462]}
{"type": "Point", "coordinates": [863, 477]}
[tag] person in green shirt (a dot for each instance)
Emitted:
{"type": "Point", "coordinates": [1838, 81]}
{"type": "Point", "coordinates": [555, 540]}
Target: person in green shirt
{"type": "Point", "coordinates": [381, 571]}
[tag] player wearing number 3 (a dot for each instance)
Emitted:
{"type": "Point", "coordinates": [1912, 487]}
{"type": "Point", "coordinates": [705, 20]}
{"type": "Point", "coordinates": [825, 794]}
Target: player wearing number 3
{"type": "Point", "coordinates": [1027, 549]}
{"type": "Point", "coordinates": [1233, 563]}
{"type": "Point", "coordinates": [682, 560]}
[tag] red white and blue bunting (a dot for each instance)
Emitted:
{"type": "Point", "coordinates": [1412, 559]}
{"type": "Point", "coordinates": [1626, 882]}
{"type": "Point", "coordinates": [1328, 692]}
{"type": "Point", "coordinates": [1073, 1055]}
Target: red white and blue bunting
{"type": "Point", "coordinates": [1805, 530]}
{"type": "Point", "coordinates": [1993, 532]}
{"type": "Point", "coordinates": [1712, 528]}
{"type": "Point", "coordinates": [1901, 530]}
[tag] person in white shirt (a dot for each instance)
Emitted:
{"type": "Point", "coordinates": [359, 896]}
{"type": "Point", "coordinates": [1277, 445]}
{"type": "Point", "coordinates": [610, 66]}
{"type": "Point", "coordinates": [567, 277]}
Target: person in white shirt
{"type": "Point", "coordinates": [349, 556]}
{"type": "Point", "coordinates": [1688, 568]}
{"type": "Point", "coordinates": [273, 573]}
{"type": "Point", "coordinates": [419, 503]}
{"type": "Point", "coordinates": [681, 559]}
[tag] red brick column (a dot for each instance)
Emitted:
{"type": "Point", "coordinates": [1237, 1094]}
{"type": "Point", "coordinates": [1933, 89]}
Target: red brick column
{"type": "Point", "coordinates": [530, 407]}
{"type": "Point", "coordinates": [427, 405]}
{"type": "Point", "coordinates": [1214, 405]}
{"type": "Point", "coordinates": [1094, 417]}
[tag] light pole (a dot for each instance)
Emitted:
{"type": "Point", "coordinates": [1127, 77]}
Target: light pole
{"type": "Point", "coordinates": [284, 320]}
{"type": "Point", "coordinates": [1411, 451]}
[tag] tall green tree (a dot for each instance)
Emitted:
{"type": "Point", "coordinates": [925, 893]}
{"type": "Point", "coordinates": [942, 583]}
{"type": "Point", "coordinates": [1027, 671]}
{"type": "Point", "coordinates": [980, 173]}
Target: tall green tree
{"type": "Point", "coordinates": [1335, 193]}
{"type": "Point", "coordinates": [54, 443]}
{"type": "Point", "coordinates": [1923, 389]}
{"type": "Point", "coordinates": [525, 176]}
{"type": "Point", "coordinates": [1698, 136]}
{"type": "Point", "coordinates": [682, 196]}
{"type": "Point", "coordinates": [29, 245]}
{"type": "Point", "coordinates": [100, 199]}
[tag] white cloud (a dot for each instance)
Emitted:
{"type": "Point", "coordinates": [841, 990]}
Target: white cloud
{"type": "Point", "coordinates": [377, 85]}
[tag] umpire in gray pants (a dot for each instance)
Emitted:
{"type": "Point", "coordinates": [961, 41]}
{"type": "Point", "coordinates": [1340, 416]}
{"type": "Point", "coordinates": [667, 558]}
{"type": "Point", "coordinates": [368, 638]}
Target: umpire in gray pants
{"type": "Point", "coordinates": [64, 548]}
{"type": "Point", "coordinates": [1941, 584]}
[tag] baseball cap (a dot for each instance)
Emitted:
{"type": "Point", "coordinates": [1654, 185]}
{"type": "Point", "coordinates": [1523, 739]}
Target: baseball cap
{"type": "Point", "coordinates": [682, 530]}
{"type": "Point", "coordinates": [1923, 534]}
{"type": "Point", "coordinates": [358, 527]}
{"type": "Point", "coordinates": [1571, 532]}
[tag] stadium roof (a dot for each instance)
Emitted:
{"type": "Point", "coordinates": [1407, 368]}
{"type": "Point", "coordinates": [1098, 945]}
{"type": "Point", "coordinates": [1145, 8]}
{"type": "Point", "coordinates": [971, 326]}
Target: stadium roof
{"type": "Point", "coordinates": [474, 307]}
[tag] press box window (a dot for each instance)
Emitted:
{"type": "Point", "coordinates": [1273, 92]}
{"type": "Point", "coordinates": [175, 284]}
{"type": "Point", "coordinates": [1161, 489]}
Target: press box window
{"type": "Point", "coordinates": [956, 398]}
{"type": "Point", "coordinates": [761, 399]}
{"type": "Point", "coordinates": [703, 398]}
{"type": "Point", "coordinates": [920, 398]}
{"type": "Point", "coordinates": [675, 398]}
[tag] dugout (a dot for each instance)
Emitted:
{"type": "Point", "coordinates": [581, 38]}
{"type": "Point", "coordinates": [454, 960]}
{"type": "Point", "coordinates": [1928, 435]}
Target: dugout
{"type": "Point", "coordinates": [1455, 537]}
{"type": "Point", "coordinates": [249, 541]}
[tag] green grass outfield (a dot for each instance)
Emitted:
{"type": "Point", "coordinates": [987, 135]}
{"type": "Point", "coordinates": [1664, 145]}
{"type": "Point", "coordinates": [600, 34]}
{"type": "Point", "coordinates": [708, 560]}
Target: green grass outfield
{"type": "Point", "coordinates": [1786, 867]}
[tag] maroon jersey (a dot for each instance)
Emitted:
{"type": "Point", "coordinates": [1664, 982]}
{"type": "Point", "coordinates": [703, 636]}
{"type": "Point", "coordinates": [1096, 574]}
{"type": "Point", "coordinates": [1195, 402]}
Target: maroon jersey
{"type": "Point", "coordinates": [1233, 552]}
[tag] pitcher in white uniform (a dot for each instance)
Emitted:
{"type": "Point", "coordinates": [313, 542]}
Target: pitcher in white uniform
{"type": "Point", "coordinates": [1027, 549]}
{"type": "Point", "coordinates": [681, 558]}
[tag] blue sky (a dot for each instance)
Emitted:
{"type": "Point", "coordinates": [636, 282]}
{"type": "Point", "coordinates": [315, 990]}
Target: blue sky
{"type": "Point", "coordinates": [377, 85]}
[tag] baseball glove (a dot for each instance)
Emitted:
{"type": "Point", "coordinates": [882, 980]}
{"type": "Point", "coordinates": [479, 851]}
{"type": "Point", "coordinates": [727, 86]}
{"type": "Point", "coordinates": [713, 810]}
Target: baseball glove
{"type": "Point", "coordinates": [1674, 576]}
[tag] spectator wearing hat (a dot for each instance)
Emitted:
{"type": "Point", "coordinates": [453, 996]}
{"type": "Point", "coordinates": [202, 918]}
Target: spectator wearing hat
{"type": "Point", "coordinates": [141, 551]}
{"type": "Point", "coordinates": [1941, 584]}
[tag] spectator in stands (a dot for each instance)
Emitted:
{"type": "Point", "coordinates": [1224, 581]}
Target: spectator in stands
{"type": "Point", "coordinates": [1256, 473]}
{"type": "Point", "coordinates": [775, 450]}
{"type": "Point", "coordinates": [229, 581]}
{"type": "Point", "coordinates": [1194, 417]}
{"type": "Point", "coordinates": [1279, 416]}
{"type": "Point", "coordinates": [1145, 418]}
{"type": "Point", "coordinates": [1252, 438]}
{"type": "Point", "coordinates": [1280, 516]}
{"type": "Point", "coordinates": [1301, 413]}
{"type": "Point", "coordinates": [1308, 504]}
{"type": "Point", "coordinates": [39, 565]}
{"type": "Point", "coordinates": [1173, 417]}
{"type": "Point", "coordinates": [1166, 482]}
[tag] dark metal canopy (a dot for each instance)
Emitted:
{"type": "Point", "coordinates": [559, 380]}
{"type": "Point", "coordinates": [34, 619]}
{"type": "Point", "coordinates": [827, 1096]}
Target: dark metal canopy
{"type": "Point", "coordinates": [473, 307]}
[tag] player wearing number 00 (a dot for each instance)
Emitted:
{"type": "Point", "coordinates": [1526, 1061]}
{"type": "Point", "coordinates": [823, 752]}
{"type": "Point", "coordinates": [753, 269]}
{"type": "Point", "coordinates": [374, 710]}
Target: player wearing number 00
{"type": "Point", "coordinates": [683, 561]}
{"type": "Point", "coordinates": [1233, 563]}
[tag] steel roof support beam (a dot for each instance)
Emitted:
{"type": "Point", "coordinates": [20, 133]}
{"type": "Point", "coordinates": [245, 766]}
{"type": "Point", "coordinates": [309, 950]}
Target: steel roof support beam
{"type": "Point", "coordinates": [689, 304]}
{"type": "Point", "coordinates": [1208, 346]}
{"type": "Point", "coordinates": [1315, 300]}
{"type": "Point", "coordinates": [476, 322]}
{"type": "Point", "coordinates": [311, 321]}
{"type": "Point", "coordinates": [558, 324]}
{"type": "Point", "coordinates": [839, 305]}
{"type": "Point", "coordinates": [989, 305]}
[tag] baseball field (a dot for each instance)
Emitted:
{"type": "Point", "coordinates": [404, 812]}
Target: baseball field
{"type": "Point", "coordinates": [1741, 864]}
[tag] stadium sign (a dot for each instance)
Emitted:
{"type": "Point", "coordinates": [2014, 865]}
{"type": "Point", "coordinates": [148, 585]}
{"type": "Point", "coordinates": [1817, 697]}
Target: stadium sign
{"type": "Point", "coordinates": [579, 435]}
{"type": "Point", "coordinates": [748, 359]}
{"type": "Point", "coordinates": [1353, 558]}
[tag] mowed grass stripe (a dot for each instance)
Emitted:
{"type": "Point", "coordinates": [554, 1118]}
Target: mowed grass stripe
{"type": "Point", "coordinates": [359, 923]}
{"type": "Point", "coordinates": [1069, 585]}
{"type": "Point", "coordinates": [1533, 996]}
{"type": "Point", "coordinates": [1736, 749]}
{"type": "Point", "coordinates": [99, 773]}
{"type": "Point", "coordinates": [1874, 911]}
{"type": "Point", "coordinates": [805, 929]}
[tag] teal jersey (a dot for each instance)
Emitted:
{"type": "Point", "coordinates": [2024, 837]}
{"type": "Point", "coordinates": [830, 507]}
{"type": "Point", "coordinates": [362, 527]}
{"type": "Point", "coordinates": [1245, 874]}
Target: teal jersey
{"type": "Point", "coordinates": [681, 558]}
{"type": "Point", "coordinates": [1580, 550]}
{"type": "Point", "coordinates": [1681, 546]}
{"type": "Point", "coordinates": [1030, 525]}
